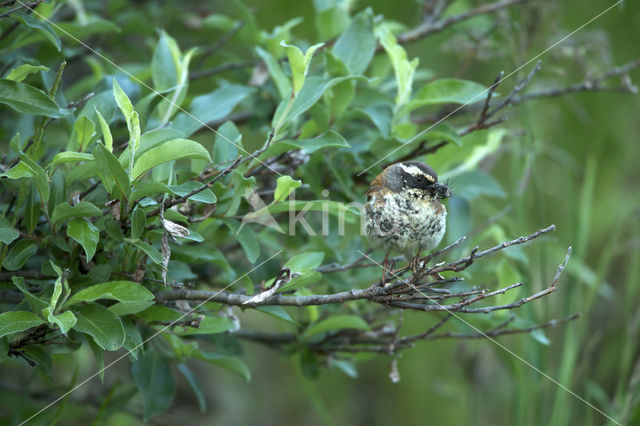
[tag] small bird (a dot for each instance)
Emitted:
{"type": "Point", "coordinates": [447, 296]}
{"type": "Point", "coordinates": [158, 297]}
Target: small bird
{"type": "Point", "coordinates": [403, 211]}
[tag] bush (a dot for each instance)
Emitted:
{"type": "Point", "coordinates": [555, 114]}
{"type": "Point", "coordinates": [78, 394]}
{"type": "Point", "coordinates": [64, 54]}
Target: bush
{"type": "Point", "coordinates": [144, 197]}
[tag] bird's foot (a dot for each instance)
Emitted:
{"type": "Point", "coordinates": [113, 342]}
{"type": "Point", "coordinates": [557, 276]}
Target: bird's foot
{"type": "Point", "coordinates": [415, 263]}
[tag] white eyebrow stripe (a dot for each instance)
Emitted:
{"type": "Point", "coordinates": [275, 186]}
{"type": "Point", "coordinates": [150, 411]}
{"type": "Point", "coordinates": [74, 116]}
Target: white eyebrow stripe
{"type": "Point", "coordinates": [417, 171]}
{"type": "Point", "coordinates": [412, 170]}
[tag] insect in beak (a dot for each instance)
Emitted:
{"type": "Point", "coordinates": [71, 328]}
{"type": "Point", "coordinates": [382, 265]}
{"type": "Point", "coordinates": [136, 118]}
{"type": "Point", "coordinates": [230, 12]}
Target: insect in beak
{"type": "Point", "coordinates": [440, 191]}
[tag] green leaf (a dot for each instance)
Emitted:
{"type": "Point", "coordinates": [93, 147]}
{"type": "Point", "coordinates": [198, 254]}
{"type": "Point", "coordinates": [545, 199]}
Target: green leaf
{"type": "Point", "coordinates": [17, 321]}
{"type": "Point", "coordinates": [138, 222]}
{"type": "Point", "coordinates": [218, 22]}
{"type": "Point", "coordinates": [122, 291]}
{"type": "Point", "coordinates": [193, 382]}
{"type": "Point", "coordinates": [153, 377]}
{"type": "Point", "coordinates": [337, 322]}
{"type": "Point", "coordinates": [305, 261]}
{"type": "Point", "coordinates": [228, 140]}
{"type": "Point", "coordinates": [66, 320]}
{"type": "Point", "coordinates": [331, 18]}
{"type": "Point", "coordinates": [134, 131]}
{"type": "Point", "coordinates": [329, 139]}
{"type": "Point", "coordinates": [210, 107]}
{"type": "Point", "coordinates": [380, 114]}
{"type": "Point", "coordinates": [111, 172]}
{"type": "Point", "coordinates": [403, 68]}
{"type": "Point", "coordinates": [113, 229]}
{"type": "Point", "coordinates": [447, 91]}
{"type": "Point", "coordinates": [37, 304]}
{"type": "Point", "coordinates": [21, 72]}
{"type": "Point", "coordinates": [540, 336]}
{"type": "Point", "coordinates": [104, 326]}
{"type": "Point", "coordinates": [247, 239]}
{"type": "Point", "coordinates": [65, 211]}
{"type": "Point", "coordinates": [285, 185]}
{"type": "Point", "coordinates": [98, 354]}
{"type": "Point", "coordinates": [28, 99]}
{"type": "Point", "coordinates": [90, 25]}
{"type": "Point", "coordinates": [357, 44]}
{"type": "Point", "coordinates": [158, 313]}
{"type": "Point", "coordinates": [347, 367]}
{"type": "Point", "coordinates": [152, 139]}
{"type": "Point", "coordinates": [32, 209]}
{"type": "Point", "coordinates": [84, 129]}
{"type": "Point", "coordinates": [148, 249]}
{"type": "Point", "coordinates": [7, 232]}
{"type": "Point", "coordinates": [40, 179]}
{"type": "Point", "coordinates": [19, 171]}
{"type": "Point", "coordinates": [84, 233]}
{"type": "Point", "coordinates": [27, 168]}
{"type": "Point", "coordinates": [129, 308]}
{"type": "Point", "coordinates": [277, 74]}
{"type": "Point", "coordinates": [58, 191]}
{"type": "Point", "coordinates": [206, 196]}
{"type": "Point", "coordinates": [21, 251]}
{"type": "Point", "coordinates": [277, 312]}
{"type": "Point", "coordinates": [69, 157]}
{"type": "Point", "coordinates": [444, 132]}
{"type": "Point", "coordinates": [165, 63]}
{"type": "Point", "coordinates": [168, 151]}
{"type": "Point", "coordinates": [123, 101]}
{"type": "Point", "coordinates": [312, 90]}
{"type": "Point", "coordinates": [302, 280]}
{"type": "Point", "coordinates": [43, 27]}
{"type": "Point", "coordinates": [299, 63]}
{"type": "Point", "coordinates": [230, 363]}
{"type": "Point", "coordinates": [106, 132]}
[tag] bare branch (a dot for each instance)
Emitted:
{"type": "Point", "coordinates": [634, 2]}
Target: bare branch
{"type": "Point", "coordinates": [587, 85]}
{"type": "Point", "coordinates": [386, 295]}
{"type": "Point", "coordinates": [427, 28]}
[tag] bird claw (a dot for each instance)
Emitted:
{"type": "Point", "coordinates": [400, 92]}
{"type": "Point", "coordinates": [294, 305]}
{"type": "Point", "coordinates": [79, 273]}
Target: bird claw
{"type": "Point", "coordinates": [415, 263]}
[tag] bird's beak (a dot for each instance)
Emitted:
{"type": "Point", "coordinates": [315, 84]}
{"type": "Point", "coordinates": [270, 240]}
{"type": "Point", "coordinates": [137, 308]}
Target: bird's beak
{"type": "Point", "coordinates": [441, 191]}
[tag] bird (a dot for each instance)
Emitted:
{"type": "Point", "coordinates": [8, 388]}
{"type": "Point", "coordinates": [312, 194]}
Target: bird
{"type": "Point", "coordinates": [404, 211]}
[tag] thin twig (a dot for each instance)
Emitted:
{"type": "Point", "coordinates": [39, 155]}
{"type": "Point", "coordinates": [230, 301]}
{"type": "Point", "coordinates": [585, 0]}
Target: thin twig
{"type": "Point", "coordinates": [427, 28]}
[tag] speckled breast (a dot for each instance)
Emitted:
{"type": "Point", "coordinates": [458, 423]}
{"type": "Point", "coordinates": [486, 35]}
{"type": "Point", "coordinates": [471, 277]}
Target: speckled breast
{"type": "Point", "coordinates": [404, 222]}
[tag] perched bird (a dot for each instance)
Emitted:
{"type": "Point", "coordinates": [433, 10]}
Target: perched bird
{"type": "Point", "coordinates": [403, 211]}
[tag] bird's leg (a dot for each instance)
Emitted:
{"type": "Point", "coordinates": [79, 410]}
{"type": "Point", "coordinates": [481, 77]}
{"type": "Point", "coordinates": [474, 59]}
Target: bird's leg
{"type": "Point", "coordinates": [415, 262]}
{"type": "Point", "coordinates": [385, 264]}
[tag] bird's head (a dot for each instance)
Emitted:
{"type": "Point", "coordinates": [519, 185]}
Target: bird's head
{"type": "Point", "coordinates": [415, 177]}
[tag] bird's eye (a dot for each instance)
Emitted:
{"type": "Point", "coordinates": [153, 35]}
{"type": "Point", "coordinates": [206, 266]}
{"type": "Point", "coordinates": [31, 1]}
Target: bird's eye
{"type": "Point", "coordinates": [419, 179]}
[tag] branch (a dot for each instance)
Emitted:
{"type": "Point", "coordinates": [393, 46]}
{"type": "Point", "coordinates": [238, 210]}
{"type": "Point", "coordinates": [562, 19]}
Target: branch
{"type": "Point", "coordinates": [427, 27]}
{"type": "Point", "coordinates": [381, 346]}
{"type": "Point", "coordinates": [22, 5]}
{"type": "Point", "coordinates": [388, 295]}
{"type": "Point", "coordinates": [170, 203]}
{"type": "Point", "coordinates": [589, 85]}
{"type": "Point", "coordinates": [516, 97]}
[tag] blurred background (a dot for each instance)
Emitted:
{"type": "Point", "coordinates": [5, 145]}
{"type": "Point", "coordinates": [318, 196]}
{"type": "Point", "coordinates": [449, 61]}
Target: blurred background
{"type": "Point", "coordinates": [569, 160]}
{"type": "Point", "coordinates": [574, 164]}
